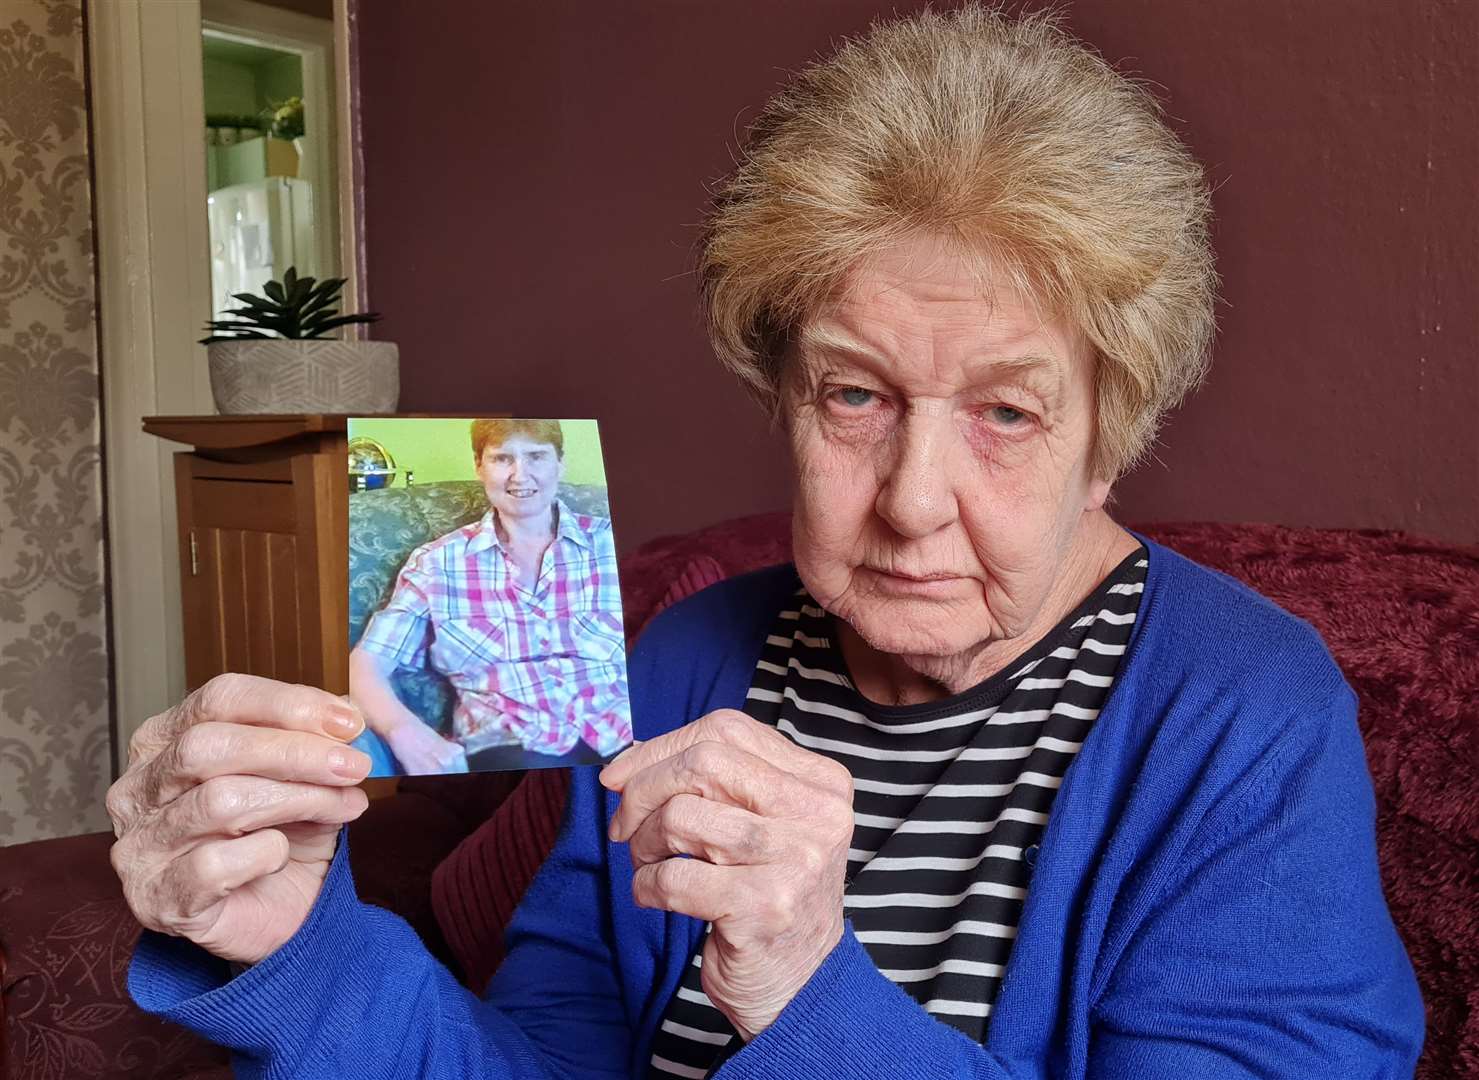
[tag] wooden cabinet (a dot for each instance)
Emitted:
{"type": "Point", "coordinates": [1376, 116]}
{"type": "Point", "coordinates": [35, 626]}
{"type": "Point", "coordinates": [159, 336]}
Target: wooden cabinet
{"type": "Point", "coordinates": [263, 513]}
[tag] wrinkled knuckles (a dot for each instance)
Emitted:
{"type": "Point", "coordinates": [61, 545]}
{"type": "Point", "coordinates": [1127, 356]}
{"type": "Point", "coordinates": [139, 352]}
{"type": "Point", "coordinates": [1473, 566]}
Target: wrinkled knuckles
{"type": "Point", "coordinates": [140, 903]}
{"type": "Point", "coordinates": [781, 908]}
{"type": "Point", "coordinates": [670, 880]}
{"type": "Point", "coordinates": [303, 706]}
{"type": "Point", "coordinates": [680, 817]}
{"type": "Point", "coordinates": [727, 725]}
{"type": "Point", "coordinates": [811, 860]}
{"type": "Point", "coordinates": [120, 857]}
{"type": "Point", "coordinates": [205, 868]}
{"type": "Point", "coordinates": [224, 802]}
{"type": "Point", "coordinates": [147, 735]}
{"type": "Point", "coordinates": [703, 761]}
{"type": "Point", "coordinates": [836, 821]}
{"type": "Point", "coordinates": [120, 804]}
{"type": "Point", "coordinates": [839, 780]}
{"type": "Point", "coordinates": [217, 699]}
{"type": "Point", "coordinates": [198, 748]}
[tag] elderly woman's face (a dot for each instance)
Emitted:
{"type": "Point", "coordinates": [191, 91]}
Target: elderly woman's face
{"type": "Point", "coordinates": [521, 477]}
{"type": "Point", "coordinates": [942, 446]}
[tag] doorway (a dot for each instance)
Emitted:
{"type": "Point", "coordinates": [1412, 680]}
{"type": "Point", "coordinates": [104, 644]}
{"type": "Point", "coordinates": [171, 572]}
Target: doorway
{"type": "Point", "coordinates": [156, 173]}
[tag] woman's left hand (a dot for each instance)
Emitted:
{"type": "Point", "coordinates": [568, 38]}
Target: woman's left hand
{"type": "Point", "coordinates": [767, 825]}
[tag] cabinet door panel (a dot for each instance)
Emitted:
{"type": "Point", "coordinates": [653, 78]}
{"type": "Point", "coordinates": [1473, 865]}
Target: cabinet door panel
{"type": "Point", "coordinates": [263, 563]}
{"type": "Point", "coordinates": [246, 589]}
{"type": "Point", "coordinates": [261, 622]}
{"type": "Point", "coordinates": [232, 594]}
{"type": "Point", "coordinates": [287, 611]}
{"type": "Point", "coordinates": [201, 596]}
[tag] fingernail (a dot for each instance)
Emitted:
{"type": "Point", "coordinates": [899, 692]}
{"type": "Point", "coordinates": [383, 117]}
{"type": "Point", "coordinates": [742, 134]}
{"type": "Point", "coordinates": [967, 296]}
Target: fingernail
{"type": "Point", "coordinates": [350, 764]}
{"type": "Point", "coordinates": [343, 722]}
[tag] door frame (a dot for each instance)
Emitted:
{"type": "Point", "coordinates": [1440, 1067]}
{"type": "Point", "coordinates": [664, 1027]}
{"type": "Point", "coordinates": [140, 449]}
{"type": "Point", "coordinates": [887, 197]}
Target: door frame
{"type": "Point", "coordinates": [153, 266]}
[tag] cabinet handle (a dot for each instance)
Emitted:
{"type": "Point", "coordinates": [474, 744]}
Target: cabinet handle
{"type": "Point", "coordinates": [194, 555]}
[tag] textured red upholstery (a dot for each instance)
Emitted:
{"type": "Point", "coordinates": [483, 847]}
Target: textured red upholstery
{"type": "Point", "coordinates": [68, 936]}
{"type": "Point", "coordinates": [1400, 615]}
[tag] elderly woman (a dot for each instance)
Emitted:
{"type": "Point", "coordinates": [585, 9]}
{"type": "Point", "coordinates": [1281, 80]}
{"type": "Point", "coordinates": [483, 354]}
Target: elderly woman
{"type": "Point", "coordinates": [519, 610]}
{"type": "Point", "coordinates": [983, 786]}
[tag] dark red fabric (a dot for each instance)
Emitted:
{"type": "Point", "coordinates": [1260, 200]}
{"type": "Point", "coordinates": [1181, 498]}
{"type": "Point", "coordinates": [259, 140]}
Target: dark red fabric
{"type": "Point", "coordinates": [1401, 616]}
{"type": "Point", "coordinates": [648, 575]}
{"type": "Point", "coordinates": [67, 935]}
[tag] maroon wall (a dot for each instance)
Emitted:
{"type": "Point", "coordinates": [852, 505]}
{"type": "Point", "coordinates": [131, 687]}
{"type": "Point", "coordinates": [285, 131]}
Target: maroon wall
{"type": "Point", "coordinates": [534, 173]}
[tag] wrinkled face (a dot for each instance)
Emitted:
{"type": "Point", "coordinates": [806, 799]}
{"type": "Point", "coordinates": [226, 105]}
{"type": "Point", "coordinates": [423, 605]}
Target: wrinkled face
{"type": "Point", "coordinates": [521, 477]}
{"type": "Point", "coordinates": [942, 443]}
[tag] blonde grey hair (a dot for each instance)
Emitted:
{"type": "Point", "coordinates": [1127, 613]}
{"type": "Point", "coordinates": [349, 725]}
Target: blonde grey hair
{"type": "Point", "coordinates": [1014, 139]}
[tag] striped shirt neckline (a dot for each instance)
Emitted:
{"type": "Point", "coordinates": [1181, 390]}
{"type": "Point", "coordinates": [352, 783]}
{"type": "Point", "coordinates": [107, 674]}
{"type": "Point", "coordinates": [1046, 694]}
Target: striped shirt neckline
{"type": "Point", "coordinates": [951, 799]}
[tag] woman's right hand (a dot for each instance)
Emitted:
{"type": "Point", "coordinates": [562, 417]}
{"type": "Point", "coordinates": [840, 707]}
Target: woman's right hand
{"type": "Point", "coordinates": [230, 809]}
{"type": "Point", "coordinates": [420, 750]}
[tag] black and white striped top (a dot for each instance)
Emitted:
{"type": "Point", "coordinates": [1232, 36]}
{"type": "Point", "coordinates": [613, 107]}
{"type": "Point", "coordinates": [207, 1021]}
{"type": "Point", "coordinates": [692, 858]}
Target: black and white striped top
{"type": "Point", "coordinates": [950, 802]}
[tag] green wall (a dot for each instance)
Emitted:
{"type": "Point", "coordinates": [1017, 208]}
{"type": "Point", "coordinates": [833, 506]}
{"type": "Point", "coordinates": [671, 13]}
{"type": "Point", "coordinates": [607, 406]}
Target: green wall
{"type": "Point", "coordinates": [279, 80]}
{"type": "Point", "coordinates": [243, 79]}
{"type": "Point", "coordinates": [229, 88]}
{"type": "Point", "coordinates": [436, 449]}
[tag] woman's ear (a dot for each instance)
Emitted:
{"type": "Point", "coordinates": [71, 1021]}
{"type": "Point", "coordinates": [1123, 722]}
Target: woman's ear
{"type": "Point", "coordinates": [1098, 495]}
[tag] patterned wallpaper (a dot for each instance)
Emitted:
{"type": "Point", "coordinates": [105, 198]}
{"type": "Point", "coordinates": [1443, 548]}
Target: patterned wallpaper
{"type": "Point", "coordinates": [54, 748]}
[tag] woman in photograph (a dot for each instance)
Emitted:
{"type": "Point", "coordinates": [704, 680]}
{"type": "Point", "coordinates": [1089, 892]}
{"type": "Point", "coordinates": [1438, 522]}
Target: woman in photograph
{"type": "Point", "coordinates": [519, 610]}
{"type": "Point", "coordinates": [984, 785]}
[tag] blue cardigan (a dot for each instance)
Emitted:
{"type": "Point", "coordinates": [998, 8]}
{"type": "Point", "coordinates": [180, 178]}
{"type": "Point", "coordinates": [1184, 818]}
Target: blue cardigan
{"type": "Point", "coordinates": [1205, 902]}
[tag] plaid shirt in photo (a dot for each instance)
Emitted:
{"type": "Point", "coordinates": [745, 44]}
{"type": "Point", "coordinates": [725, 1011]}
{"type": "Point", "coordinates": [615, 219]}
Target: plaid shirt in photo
{"type": "Point", "coordinates": [547, 666]}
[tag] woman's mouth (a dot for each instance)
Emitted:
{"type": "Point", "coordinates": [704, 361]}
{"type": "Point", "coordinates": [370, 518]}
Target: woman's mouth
{"type": "Point", "coordinates": [914, 583]}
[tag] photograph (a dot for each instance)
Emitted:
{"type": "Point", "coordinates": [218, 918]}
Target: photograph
{"type": "Point", "coordinates": [484, 610]}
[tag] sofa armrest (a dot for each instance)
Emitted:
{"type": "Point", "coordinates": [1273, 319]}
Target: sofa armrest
{"type": "Point", "coordinates": [66, 938]}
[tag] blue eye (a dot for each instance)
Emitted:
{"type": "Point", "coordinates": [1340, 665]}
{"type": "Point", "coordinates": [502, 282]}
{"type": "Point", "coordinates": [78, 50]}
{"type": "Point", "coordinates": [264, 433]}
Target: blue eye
{"type": "Point", "coordinates": [1005, 414]}
{"type": "Point", "coordinates": [855, 396]}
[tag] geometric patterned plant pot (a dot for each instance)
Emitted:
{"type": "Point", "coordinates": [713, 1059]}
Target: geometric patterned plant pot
{"type": "Point", "coordinates": [278, 375]}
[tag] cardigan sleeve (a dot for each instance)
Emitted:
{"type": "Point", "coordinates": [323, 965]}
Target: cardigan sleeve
{"type": "Point", "coordinates": [1272, 952]}
{"type": "Point", "coordinates": [849, 1020]}
{"type": "Point", "coordinates": [355, 992]}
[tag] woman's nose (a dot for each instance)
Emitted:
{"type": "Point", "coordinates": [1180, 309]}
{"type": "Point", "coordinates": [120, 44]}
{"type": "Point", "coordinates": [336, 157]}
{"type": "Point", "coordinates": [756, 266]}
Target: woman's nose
{"type": "Point", "coordinates": [916, 496]}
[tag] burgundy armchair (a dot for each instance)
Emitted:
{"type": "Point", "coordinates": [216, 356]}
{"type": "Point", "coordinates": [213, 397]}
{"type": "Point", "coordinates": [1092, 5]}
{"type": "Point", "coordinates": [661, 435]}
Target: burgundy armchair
{"type": "Point", "coordinates": [1400, 615]}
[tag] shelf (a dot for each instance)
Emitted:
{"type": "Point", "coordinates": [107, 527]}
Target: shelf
{"type": "Point", "coordinates": [237, 432]}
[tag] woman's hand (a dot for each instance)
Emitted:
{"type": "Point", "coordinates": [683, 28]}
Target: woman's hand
{"type": "Point", "coordinates": [768, 826]}
{"type": "Point", "coordinates": [421, 750]}
{"type": "Point", "coordinates": [228, 813]}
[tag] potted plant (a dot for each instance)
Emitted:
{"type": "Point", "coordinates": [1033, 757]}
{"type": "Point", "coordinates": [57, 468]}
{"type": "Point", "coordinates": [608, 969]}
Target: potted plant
{"type": "Point", "coordinates": [285, 121]}
{"type": "Point", "coordinates": [274, 355]}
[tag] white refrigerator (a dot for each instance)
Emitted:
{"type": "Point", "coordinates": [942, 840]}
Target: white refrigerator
{"type": "Point", "coordinates": [258, 230]}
